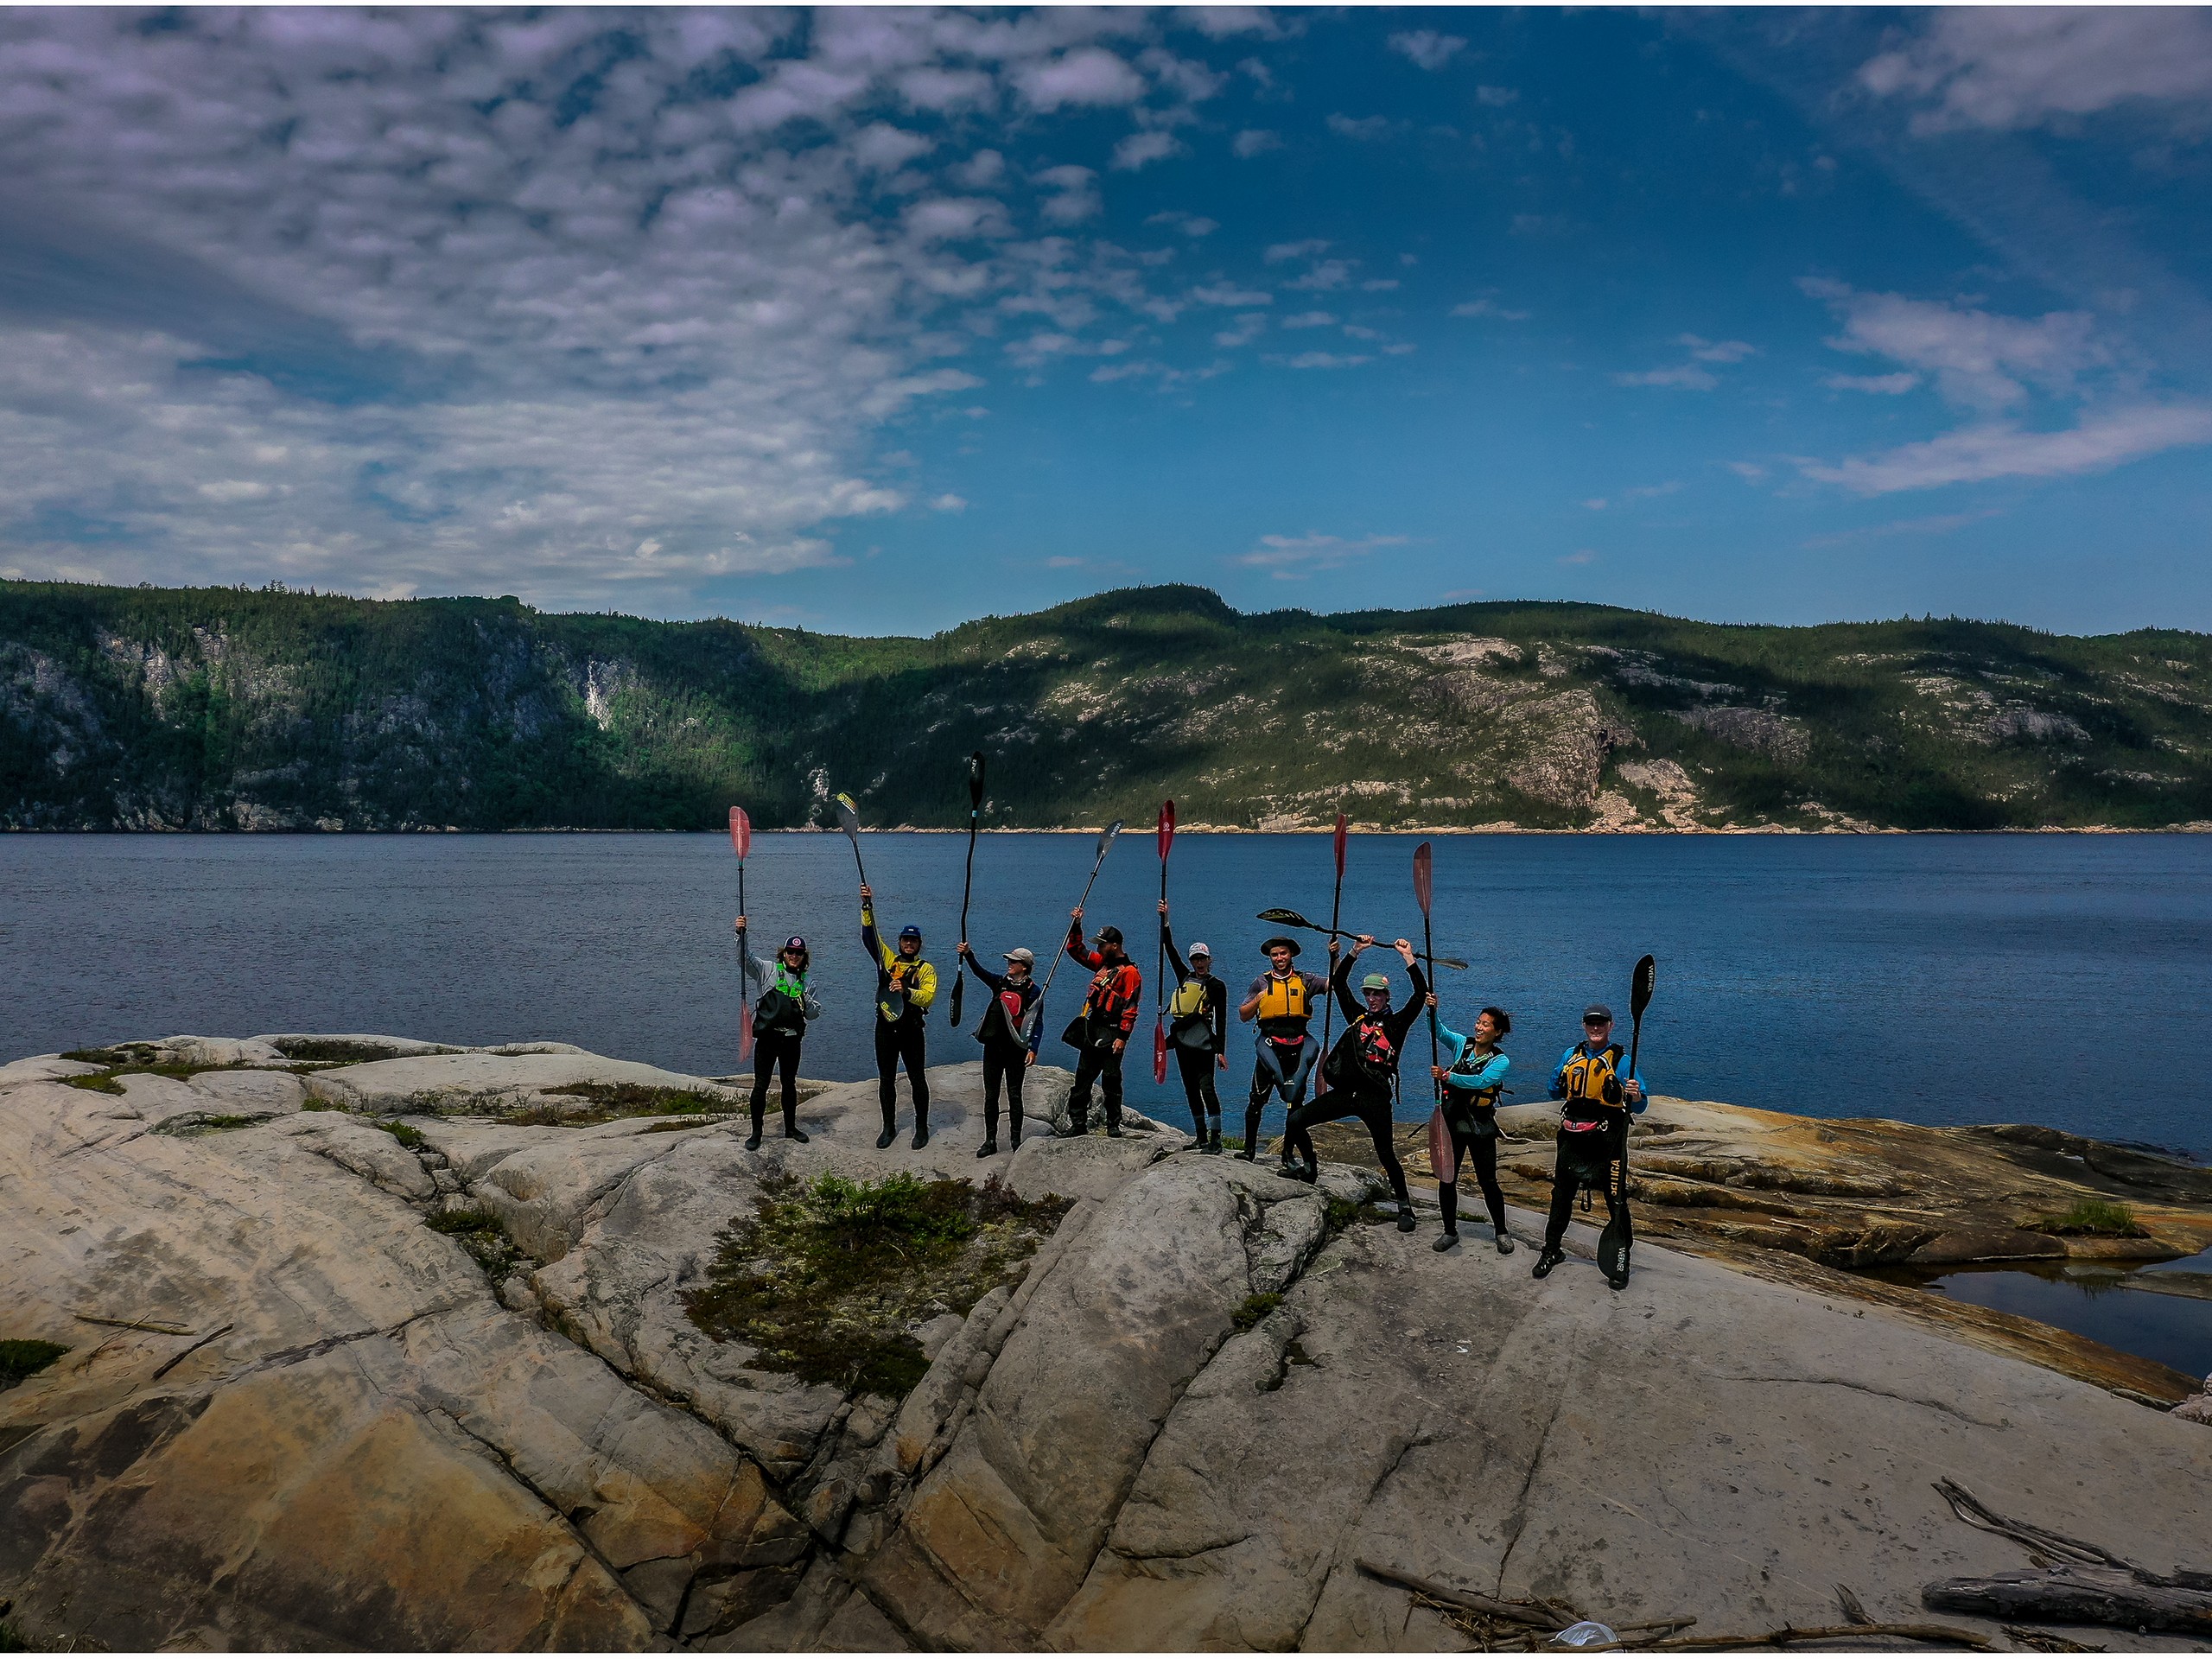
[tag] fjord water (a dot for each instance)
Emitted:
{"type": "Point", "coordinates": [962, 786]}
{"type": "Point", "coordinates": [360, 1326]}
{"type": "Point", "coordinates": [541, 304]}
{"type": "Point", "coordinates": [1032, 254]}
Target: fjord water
{"type": "Point", "coordinates": [1943, 980]}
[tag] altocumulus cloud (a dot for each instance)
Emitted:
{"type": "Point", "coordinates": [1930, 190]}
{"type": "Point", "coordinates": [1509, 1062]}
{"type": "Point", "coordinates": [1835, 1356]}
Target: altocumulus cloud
{"type": "Point", "coordinates": [576, 304]}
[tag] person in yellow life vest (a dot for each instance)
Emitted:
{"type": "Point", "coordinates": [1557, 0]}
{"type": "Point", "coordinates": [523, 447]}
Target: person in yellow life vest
{"type": "Point", "coordinates": [1600, 1093]}
{"type": "Point", "coordinates": [904, 987]}
{"type": "Point", "coordinates": [1197, 1032]}
{"type": "Point", "coordinates": [1283, 999]}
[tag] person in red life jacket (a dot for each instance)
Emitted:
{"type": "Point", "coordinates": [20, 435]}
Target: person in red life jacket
{"type": "Point", "coordinates": [1362, 1068]}
{"type": "Point", "coordinates": [1197, 1032]}
{"type": "Point", "coordinates": [1012, 1026]}
{"type": "Point", "coordinates": [1600, 1093]}
{"type": "Point", "coordinates": [1283, 999]}
{"type": "Point", "coordinates": [1101, 1031]}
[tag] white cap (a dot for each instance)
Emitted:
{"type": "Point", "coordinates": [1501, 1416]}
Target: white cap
{"type": "Point", "coordinates": [1202, 948]}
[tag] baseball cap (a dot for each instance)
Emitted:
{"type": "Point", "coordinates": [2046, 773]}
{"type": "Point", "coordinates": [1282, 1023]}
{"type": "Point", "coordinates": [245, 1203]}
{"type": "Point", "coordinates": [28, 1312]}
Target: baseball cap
{"type": "Point", "coordinates": [1022, 953]}
{"type": "Point", "coordinates": [1202, 948]}
{"type": "Point", "coordinates": [1375, 982]}
{"type": "Point", "coordinates": [910, 931]}
{"type": "Point", "coordinates": [1108, 936]}
{"type": "Point", "coordinates": [794, 942]}
{"type": "Point", "coordinates": [1597, 1011]}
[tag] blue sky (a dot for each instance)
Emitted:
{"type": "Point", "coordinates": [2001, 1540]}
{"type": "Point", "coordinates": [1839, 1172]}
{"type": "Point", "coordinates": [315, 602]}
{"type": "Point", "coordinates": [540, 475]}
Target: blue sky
{"type": "Point", "coordinates": [876, 321]}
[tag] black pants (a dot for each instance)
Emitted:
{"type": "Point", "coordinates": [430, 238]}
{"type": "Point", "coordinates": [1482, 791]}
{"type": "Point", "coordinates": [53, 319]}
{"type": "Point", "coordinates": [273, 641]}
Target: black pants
{"type": "Point", "coordinates": [1374, 1110]}
{"type": "Point", "coordinates": [1481, 1151]}
{"type": "Point", "coordinates": [1197, 1066]}
{"type": "Point", "coordinates": [1582, 1159]}
{"type": "Point", "coordinates": [1102, 1065]}
{"type": "Point", "coordinates": [894, 1044]}
{"type": "Point", "coordinates": [775, 1051]}
{"type": "Point", "coordinates": [1278, 1069]}
{"type": "Point", "coordinates": [1002, 1065]}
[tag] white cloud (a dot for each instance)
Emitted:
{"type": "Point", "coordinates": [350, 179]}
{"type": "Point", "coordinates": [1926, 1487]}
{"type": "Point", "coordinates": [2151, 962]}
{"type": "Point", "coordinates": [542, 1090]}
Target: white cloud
{"type": "Point", "coordinates": [1061, 562]}
{"type": "Point", "coordinates": [1192, 225]}
{"type": "Point", "coordinates": [1254, 141]}
{"type": "Point", "coordinates": [1090, 76]}
{"type": "Point", "coordinates": [1229, 294]}
{"type": "Point", "coordinates": [950, 503]}
{"type": "Point", "coordinates": [1888, 386]}
{"type": "Point", "coordinates": [2099, 442]}
{"type": "Point", "coordinates": [1320, 360]}
{"type": "Point", "coordinates": [1496, 98]}
{"type": "Point", "coordinates": [1250, 325]}
{"type": "Point", "coordinates": [1074, 195]}
{"type": "Point", "coordinates": [2008, 66]}
{"type": "Point", "coordinates": [1291, 557]}
{"type": "Point", "coordinates": [1282, 250]}
{"type": "Point", "coordinates": [1426, 47]}
{"type": "Point", "coordinates": [1488, 309]}
{"type": "Point", "coordinates": [1939, 524]}
{"type": "Point", "coordinates": [1689, 377]}
{"type": "Point", "coordinates": [1722, 351]}
{"type": "Point", "coordinates": [1326, 274]}
{"type": "Point", "coordinates": [1979, 360]}
{"type": "Point", "coordinates": [1142, 149]}
{"type": "Point", "coordinates": [1309, 320]}
{"type": "Point", "coordinates": [1365, 128]}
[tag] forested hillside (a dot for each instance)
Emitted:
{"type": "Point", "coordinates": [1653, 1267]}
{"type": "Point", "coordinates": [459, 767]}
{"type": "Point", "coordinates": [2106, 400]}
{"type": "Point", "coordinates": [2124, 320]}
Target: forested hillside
{"type": "Point", "coordinates": [142, 708]}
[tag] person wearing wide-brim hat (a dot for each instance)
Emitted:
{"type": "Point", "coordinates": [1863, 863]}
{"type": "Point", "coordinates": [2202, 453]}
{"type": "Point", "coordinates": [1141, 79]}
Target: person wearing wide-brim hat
{"type": "Point", "coordinates": [1283, 999]}
{"type": "Point", "coordinates": [1012, 1026]}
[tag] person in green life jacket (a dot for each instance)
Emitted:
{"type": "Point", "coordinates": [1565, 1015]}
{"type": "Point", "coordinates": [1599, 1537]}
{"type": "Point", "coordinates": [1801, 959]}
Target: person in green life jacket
{"type": "Point", "coordinates": [779, 1026]}
{"type": "Point", "coordinates": [904, 987]}
{"type": "Point", "coordinates": [1600, 1095]}
{"type": "Point", "coordinates": [1012, 1026]}
{"type": "Point", "coordinates": [1472, 1084]}
{"type": "Point", "coordinates": [1101, 1033]}
{"type": "Point", "coordinates": [1198, 1032]}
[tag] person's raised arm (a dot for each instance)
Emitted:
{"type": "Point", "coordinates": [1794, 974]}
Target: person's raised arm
{"type": "Point", "coordinates": [868, 927]}
{"type": "Point", "coordinates": [1167, 938]}
{"type": "Point", "coordinates": [996, 982]}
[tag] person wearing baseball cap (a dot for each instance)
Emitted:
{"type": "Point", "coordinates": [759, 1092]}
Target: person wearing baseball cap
{"type": "Point", "coordinates": [1101, 1033]}
{"type": "Point", "coordinates": [904, 987]}
{"type": "Point", "coordinates": [1601, 1092]}
{"type": "Point", "coordinates": [1197, 1032]}
{"type": "Point", "coordinates": [779, 1018]}
{"type": "Point", "coordinates": [1362, 1068]}
{"type": "Point", "coordinates": [1012, 1026]}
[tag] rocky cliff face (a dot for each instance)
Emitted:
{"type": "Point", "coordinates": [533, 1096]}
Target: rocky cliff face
{"type": "Point", "coordinates": [293, 1412]}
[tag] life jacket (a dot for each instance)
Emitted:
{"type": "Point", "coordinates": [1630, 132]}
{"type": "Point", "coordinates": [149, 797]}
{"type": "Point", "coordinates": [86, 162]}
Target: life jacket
{"type": "Point", "coordinates": [1007, 1026]}
{"type": "Point", "coordinates": [1365, 1054]}
{"type": "Point", "coordinates": [1472, 1112]}
{"type": "Point", "coordinates": [1108, 1009]}
{"type": "Point", "coordinates": [782, 1008]}
{"type": "Point", "coordinates": [1483, 1100]}
{"type": "Point", "coordinates": [1191, 1022]}
{"type": "Point", "coordinates": [1285, 1006]}
{"type": "Point", "coordinates": [1190, 998]}
{"type": "Point", "coordinates": [1593, 1079]}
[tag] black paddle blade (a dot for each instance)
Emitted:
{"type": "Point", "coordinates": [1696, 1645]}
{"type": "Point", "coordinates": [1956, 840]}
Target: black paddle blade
{"type": "Point", "coordinates": [958, 986]}
{"type": "Point", "coordinates": [1639, 995]}
{"type": "Point", "coordinates": [975, 781]}
{"type": "Point", "coordinates": [1612, 1249]}
{"type": "Point", "coordinates": [1287, 918]}
{"type": "Point", "coordinates": [1106, 836]}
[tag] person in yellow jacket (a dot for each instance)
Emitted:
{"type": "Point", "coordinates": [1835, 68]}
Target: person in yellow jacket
{"type": "Point", "coordinates": [904, 987]}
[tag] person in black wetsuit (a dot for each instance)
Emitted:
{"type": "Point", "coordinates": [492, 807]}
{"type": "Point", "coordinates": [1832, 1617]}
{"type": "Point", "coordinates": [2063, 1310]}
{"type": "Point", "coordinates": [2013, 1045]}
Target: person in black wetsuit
{"type": "Point", "coordinates": [779, 1028]}
{"type": "Point", "coordinates": [904, 987]}
{"type": "Point", "coordinates": [1282, 1000]}
{"type": "Point", "coordinates": [1363, 1069]}
{"type": "Point", "coordinates": [1600, 1092]}
{"type": "Point", "coordinates": [1012, 1026]}
{"type": "Point", "coordinates": [1198, 1032]}
{"type": "Point", "coordinates": [1472, 1084]}
{"type": "Point", "coordinates": [1100, 1034]}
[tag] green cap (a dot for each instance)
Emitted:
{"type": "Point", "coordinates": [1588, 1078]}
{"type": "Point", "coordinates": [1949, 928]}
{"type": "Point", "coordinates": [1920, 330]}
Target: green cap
{"type": "Point", "coordinates": [1375, 982]}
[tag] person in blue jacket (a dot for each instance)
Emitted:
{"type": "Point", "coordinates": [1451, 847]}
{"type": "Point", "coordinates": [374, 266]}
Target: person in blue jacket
{"type": "Point", "coordinates": [1600, 1093]}
{"type": "Point", "coordinates": [1472, 1084]}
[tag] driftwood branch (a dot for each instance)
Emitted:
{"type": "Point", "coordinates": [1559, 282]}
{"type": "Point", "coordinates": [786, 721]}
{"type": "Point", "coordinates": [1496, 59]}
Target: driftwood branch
{"type": "Point", "coordinates": [1516, 1612]}
{"type": "Point", "coordinates": [1942, 1636]}
{"type": "Point", "coordinates": [2076, 1595]}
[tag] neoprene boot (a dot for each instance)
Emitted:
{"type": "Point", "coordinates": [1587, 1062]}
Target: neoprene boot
{"type": "Point", "coordinates": [1445, 1241]}
{"type": "Point", "coordinates": [1213, 1136]}
{"type": "Point", "coordinates": [1250, 1152]}
{"type": "Point", "coordinates": [890, 1133]}
{"type": "Point", "coordinates": [792, 1130]}
{"type": "Point", "coordinates": [921, 1133]}
{"type": "Point", "coordinates": [752, 1140]}
{"type": "Point", "coordinates": [1505, 1243]}
{"type": "Point", "coordinates": [1547, 1259]}
{"type": "Point", "coordinates": [987, 1149]}
{"type": "Point", "coordinates": [1405, 1222]}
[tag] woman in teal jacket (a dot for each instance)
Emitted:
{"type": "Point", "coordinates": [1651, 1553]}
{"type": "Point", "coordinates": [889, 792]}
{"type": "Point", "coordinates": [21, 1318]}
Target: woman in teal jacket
{"type": "Point", "coordinates": [1473, 1084]}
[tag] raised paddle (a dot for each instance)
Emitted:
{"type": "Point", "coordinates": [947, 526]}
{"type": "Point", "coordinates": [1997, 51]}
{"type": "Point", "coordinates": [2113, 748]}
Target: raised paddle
{"type": "Point", "coordinates": [1105, 841]}
{"type": "Point", "coordinates": [1613, 1243]}
{"type": "Point", "coordinates": [975, 813]}
{"type": "Point", "coordinates": [848, 820]}
{"type": "Point", "coordinates": [1291, 919]}
{"type": "Point", "coordinates": [1159, 968]}
{"type": "Point", "coordinates": [741, 840]}
{"type": "Point", "coordinates": [1336, 915]}
{"type": "Point", "coordinates": [1424, 895]}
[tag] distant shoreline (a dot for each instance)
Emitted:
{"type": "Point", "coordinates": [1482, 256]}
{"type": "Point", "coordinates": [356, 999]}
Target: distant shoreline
{"type": "Point", "coordinates": [2193, 828]}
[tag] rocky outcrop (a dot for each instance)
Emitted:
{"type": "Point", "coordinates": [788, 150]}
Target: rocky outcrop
{"type": "Point", "coordinates": [294, 1413]}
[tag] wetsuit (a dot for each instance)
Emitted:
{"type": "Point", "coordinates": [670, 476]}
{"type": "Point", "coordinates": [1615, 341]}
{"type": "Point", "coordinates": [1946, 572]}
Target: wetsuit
{"type": "Point", "coordinates": [1470, 1091]}
{"type": "Point", "coordinates": [904, 987]}
{"type": "Point", "coordinates": [779, 1028]}
{"type": "Point", "coordinates": [1109, 1014]}
{"type": "Point", "coordinates": [1287, 1052]}
{"type": "Point", "coordinates": [1371, 1046]}
{"type": "Point", "coordinates": [1195, 1036]}
{"type": "Point", "coordinates": [1014, 1009]}
{"type": "Point", "coordinates": [1593, 1140]}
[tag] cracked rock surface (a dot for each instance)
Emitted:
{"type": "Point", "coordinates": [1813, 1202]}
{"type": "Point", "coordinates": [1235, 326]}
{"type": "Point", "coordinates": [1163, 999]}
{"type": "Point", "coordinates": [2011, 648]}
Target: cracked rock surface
{"type": "Point", "coordinates": [293, 1414]}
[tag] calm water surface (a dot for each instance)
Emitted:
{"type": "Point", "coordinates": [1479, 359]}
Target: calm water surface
{"type": "Point", "coordinates": [1946, 979]}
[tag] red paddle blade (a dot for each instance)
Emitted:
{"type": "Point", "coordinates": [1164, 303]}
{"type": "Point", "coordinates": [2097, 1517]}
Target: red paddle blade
{"type": "Point", "coordinates": [741, 831]}
{"type": "Point", "coordinates": [1424, 877]}
{"type": "Point", "coordinates": [1159, 1050]}
{"type": "Point", "coordinates": [1166, 828]}
{"type": "Point", "coordinates": [745, 1031]}
{"type": "Point", "coordinates": [1343, 825]}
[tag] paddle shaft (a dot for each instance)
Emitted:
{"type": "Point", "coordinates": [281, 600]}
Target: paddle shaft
{"type": "Point", "coordinates": [1080, 904]}
{"type": "Point", "coordinates": [967, 888]}
{"type": "Point", "coordinates": [1336, 915]}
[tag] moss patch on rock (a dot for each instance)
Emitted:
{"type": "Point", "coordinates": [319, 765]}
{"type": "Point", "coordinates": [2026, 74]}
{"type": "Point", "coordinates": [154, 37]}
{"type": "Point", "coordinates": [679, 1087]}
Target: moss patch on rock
{"type": "Point", "coordinates": [341, 1051]}
{"type": "Point", "coordinates": [20, 1357]}
{"type": "Point", "coordinates": [602, 1102]}
{"type": "Point", "coordinates": [481, 1233]}
{"type": "Point", "coordinates": [830, 1278]}
{"type": "Point", "coordinates": [2091, 1218]}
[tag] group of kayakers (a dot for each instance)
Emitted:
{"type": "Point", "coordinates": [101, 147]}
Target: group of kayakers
{"type": "Point", "coordinates": [1594, 1080]}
